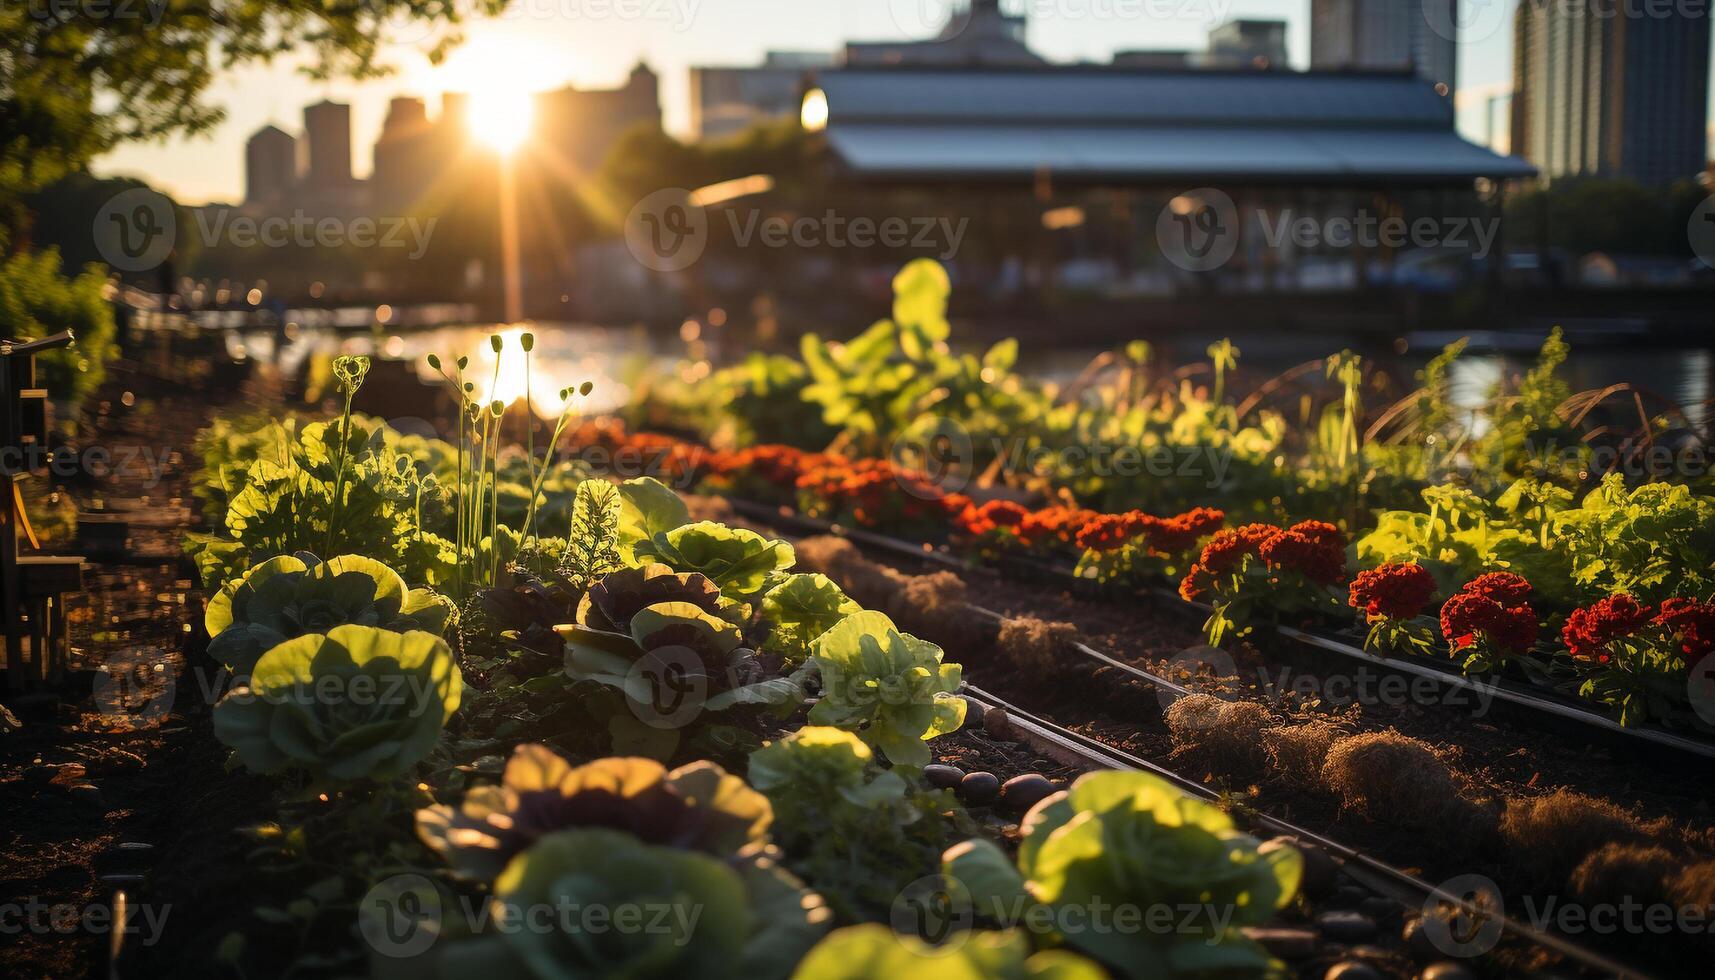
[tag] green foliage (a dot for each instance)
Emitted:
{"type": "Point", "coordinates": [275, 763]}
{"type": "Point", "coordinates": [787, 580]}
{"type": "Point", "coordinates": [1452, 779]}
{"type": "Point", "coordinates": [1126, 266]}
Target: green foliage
{"type": "Point", "coordinates": [740, 561]}
{"type": "Point", "coordinates": [861, 833]}
{"type": "Point", "coordinates": [799, 610]}
{"type": "Point", "coordinates": [697, 807]}
{"type": "Point", "coordinates": [286, 597]}
{"type": "Point", "coordinates": [1652, 543]}
{"type": "Point", "coordinates": [356, 703]}
{"type": "Point", "coordinates": [647, 508]}
{"type": "Point", "coordinates": [751, 921]}
{"type": "Point", "coordinates": [875, 952]}
{"type": "Point", "coordinates": [37, 300]}
{"type": "Point", "coordinates": [592, 543]}
{"type": "Point", "coordinates": [1130, 838]}
{"type": "Point", "coordinates": [889, 687]}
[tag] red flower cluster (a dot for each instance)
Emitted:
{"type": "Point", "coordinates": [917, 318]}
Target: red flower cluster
{"type": "Point", "coordinates": [1224, 552]}
{"type": "Point", "coordinates": [1110, 532]}
{"type": "Point", "coordinates": [1172, 535]}
{"type": "Point", "coordinates": [1396, 590]}
{"type": "Point", "coordinates": [1502, 587]}
{"type": "Point", "coordinates": [1314, 549]}
{"type": "Point", "coordinates": [979, 520]}
{"type": "Point", "coordinates": [1494, 607]}
{"type": "Point", "coordinates": [780, 466]}
{"type": "Point", "coordinates": [1054, 523]}
{"type": "Point", "coordinates": [1588, 631]}
{"type": "Point", "coordinates": [1692, 623]}
{"type": "Point", "coordinates": [869, 488]}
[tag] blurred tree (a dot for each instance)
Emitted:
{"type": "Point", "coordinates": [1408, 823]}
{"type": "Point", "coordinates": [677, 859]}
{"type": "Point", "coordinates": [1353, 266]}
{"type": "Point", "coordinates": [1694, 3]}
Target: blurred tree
{"type": "Point", "coordinates": [1606, 215]}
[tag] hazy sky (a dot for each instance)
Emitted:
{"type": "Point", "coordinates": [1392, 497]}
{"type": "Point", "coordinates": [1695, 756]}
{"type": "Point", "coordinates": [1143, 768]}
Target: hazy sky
{"type": "Point", "coordinates": [541, 44]}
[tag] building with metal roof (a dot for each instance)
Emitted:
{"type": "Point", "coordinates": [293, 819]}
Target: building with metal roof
{"type": "Point", "coordinates": [1101, 125]}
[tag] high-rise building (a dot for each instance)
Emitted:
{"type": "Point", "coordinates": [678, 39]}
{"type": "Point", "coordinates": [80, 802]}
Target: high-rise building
{"type": "Point", "coordinates": [581, 125]}
{"type": "Point", "coordinates": [270, 166]}
{"type": "Point", "coordinates": [977, 33]}
{"type": "Point", "coordinates": [1596, 94]}
{"type": "Point", "coordinates": [1247, 44]}
{"type": "Point", "coordinates": [727, 100]}
{"type": "Point", "coordinates": [326, 147]}
{"type": "Point", "coordinates": [1410, 35]}
{"type": "Point", "coordinates": [408, 154]}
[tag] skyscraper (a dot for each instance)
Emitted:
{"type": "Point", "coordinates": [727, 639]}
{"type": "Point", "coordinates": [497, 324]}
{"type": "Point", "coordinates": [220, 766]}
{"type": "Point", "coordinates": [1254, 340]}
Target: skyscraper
{"type": "Point", "coordinates": [1595, 94]}
{"type": "Point", "coordinates": [327, 147]}
{"type": "Point", "coordinates": [270, 166]}
{"type": "Point", "coordinates": [1414, 35]}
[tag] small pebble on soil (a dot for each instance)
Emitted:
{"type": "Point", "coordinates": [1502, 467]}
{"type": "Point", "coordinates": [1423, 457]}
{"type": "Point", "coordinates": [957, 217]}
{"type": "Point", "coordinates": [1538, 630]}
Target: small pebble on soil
{"type": "Point", "coordinates": [1447, 970]}
{"type": "Point", "coordinates": [943, 777]}
{"type": "Point", "coordinates": [1347, 927]}
{"type": "Point", "coordinates": [996, 724]}
{"type": "Point", "coordinates": [1023, 792]}
{"type": "Point", "coordinates": [979, 788]}
{"type": "Point", "coordinates": [1353, 970]}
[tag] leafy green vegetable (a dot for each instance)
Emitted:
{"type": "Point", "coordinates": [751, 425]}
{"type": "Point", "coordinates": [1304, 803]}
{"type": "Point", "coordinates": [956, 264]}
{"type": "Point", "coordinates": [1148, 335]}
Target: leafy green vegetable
{"type": "Point", "coordinates": [862, 833]}
{"type": "Point", "coordinates": [593, 543]}
{"type": "Point", "coordinates": [287, 597]}
{"type": "Point", "coordinates": [889, 687]}
{"type": "Point", "coordinates": [800, 610]}
{"type": "Point", "coordinates": [875, 952]}
{"type": "Point", "coordinates": [647, 508]}
{"type": "Point", "coordinates": [1130, 838]}
{"type": "Point", "coordinates": [358, 702]}
{"type": "Point", "coordinates": [696, 807]}
{"type": "Point", "coordinates": [693, 915]}
{"type": "Point", "coordinates": [738, 560]}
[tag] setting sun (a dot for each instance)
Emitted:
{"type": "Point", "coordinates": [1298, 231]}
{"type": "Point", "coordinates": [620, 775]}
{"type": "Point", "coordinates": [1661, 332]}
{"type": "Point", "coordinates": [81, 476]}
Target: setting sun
{"type": "Point", "coordinates": [501, 118]}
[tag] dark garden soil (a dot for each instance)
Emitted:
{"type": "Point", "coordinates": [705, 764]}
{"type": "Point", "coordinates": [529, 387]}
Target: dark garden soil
{"type": "Point", "coordinates": [104, 776]}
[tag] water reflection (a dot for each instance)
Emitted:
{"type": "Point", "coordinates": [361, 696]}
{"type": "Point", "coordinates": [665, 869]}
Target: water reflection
{"type": "Point", "coordinates": [565, 356]}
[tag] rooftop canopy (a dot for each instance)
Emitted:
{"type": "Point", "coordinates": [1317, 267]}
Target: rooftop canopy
{"type": "Point", "coordinates": [1103, 125]}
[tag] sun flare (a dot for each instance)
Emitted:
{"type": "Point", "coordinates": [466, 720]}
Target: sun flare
{"type": "Point", "coordinates": [501, 118]}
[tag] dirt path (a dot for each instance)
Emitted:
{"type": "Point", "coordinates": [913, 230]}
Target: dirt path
{"type": "Point", "coordinates": [90, 784]}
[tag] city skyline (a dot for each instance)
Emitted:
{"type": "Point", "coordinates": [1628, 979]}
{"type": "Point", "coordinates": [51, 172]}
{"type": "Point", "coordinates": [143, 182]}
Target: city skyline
{"type": "Point", "coordinates": [549, 44]}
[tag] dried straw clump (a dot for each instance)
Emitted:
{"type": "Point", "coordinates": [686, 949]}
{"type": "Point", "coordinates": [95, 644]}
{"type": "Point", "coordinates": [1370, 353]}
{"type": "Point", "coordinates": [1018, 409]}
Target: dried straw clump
{"type": "Point", "coordinates": [871, 585]}
{"type": "Point", "coordinates": [1298, 752]}
{"type": "Point", "coordinates": [1550, 835]}
{"type": "Point", "coordinates": [1035, 643]}
{"type": "Point", "coordinates": [1615, 874]}
{"type": "Point", "coordinates": [1391, 778]}
{"type": "Point", "coordinates": [1222, 736]}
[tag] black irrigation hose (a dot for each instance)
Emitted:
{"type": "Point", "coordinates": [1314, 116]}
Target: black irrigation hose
{"type": "Point", "coordinates": [1378, 874]}
{"type": "Point", "coordinates": [1500, 690]}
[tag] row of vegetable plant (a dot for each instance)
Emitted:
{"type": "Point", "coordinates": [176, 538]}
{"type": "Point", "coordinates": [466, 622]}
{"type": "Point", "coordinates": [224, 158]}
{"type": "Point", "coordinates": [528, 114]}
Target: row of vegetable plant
{"type": "Point", "coordinates": [1384, 522]}
{"type": "Point", "coordinates": [435, 705]}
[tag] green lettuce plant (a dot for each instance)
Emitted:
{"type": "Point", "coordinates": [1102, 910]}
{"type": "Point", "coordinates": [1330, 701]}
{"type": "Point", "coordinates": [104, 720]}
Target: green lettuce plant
{"type": "Point", "coordinates": [1133, 839]}
{"type": "Point", "coordinates": [860, 832]}
{"type": "Point", "coordinates": [287, 597]}
{"type": "Point", "coordinates": [695, 807]}
{"type": "Point", "coordinates": [889, 687]}
{"type": "Point", "coordinates": [876, 952]}
{"type": "Point", "coordinates": [693, 915]}
{"type": "Point", "coordinates": [738, 560]}
{"type": "Point", "coordinates": [799, 610]}
{"type": "Point", "coordinates": [357, 702]}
